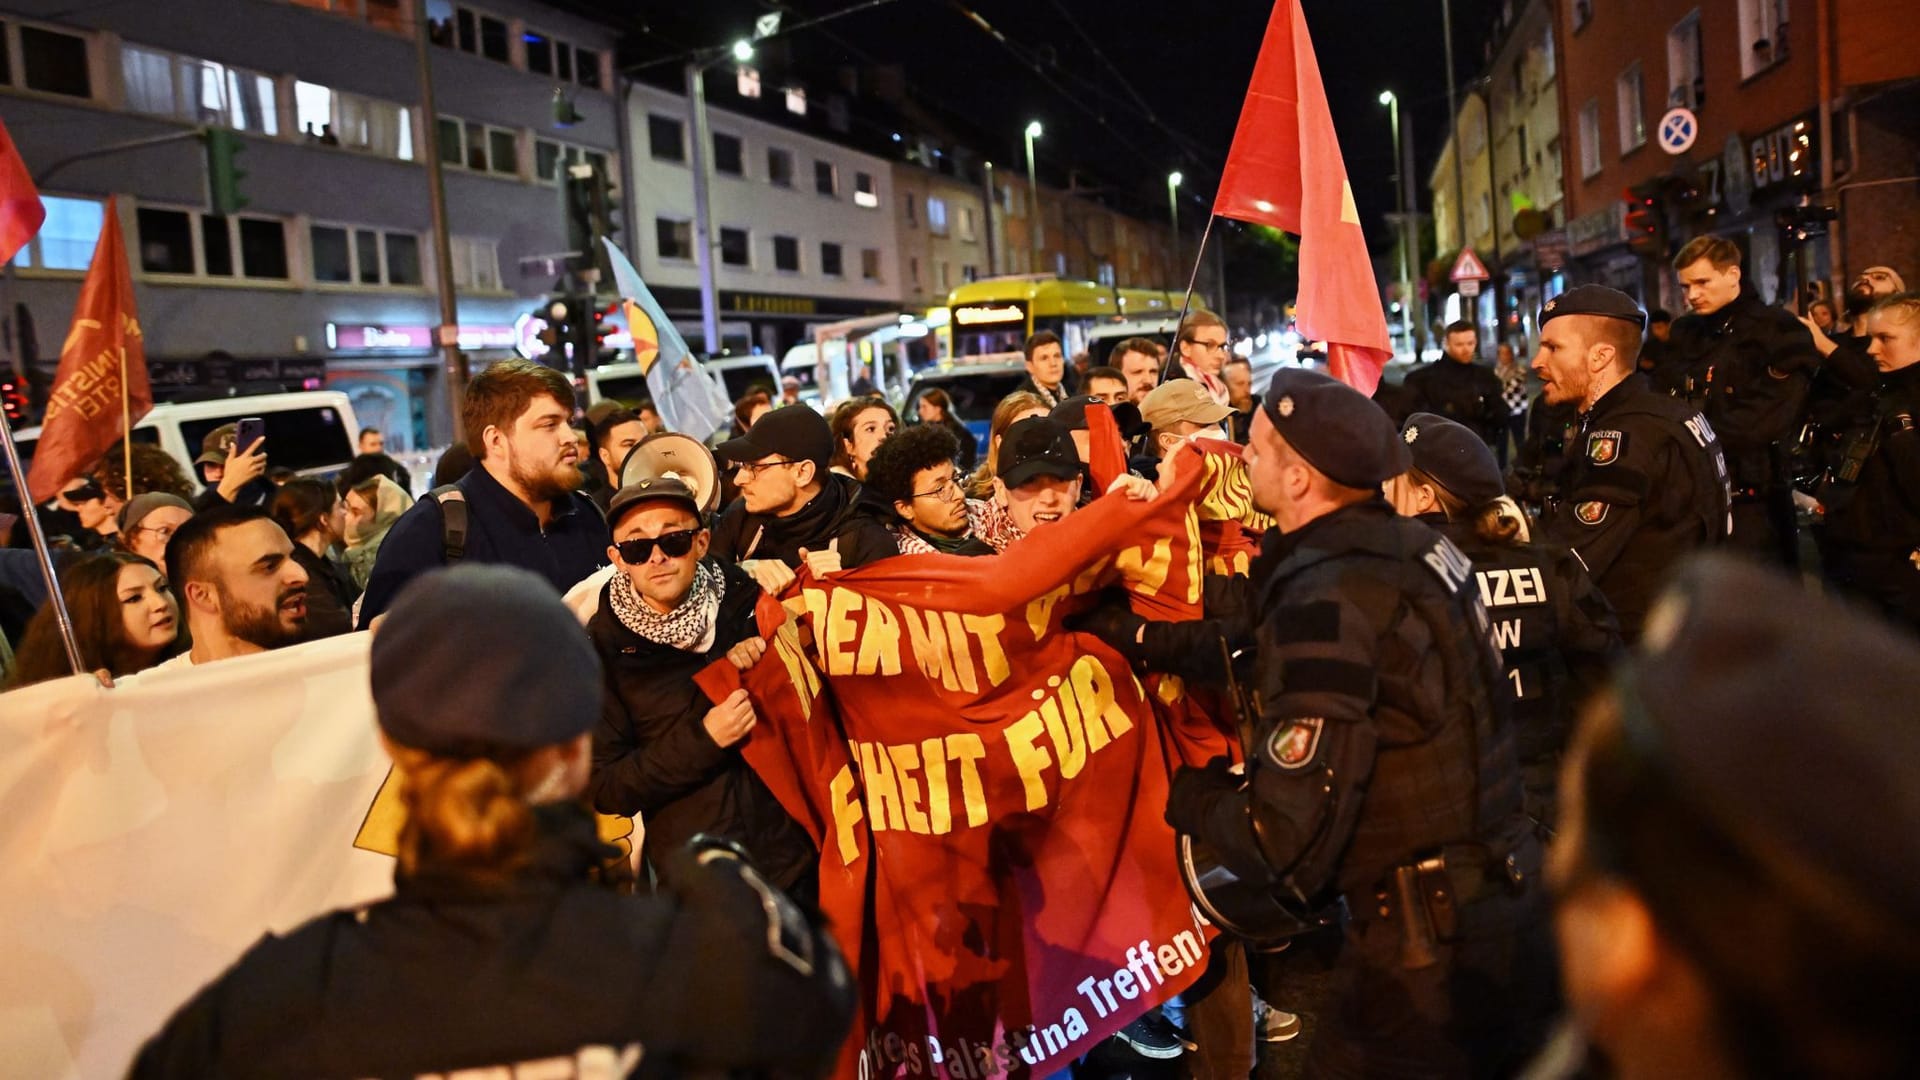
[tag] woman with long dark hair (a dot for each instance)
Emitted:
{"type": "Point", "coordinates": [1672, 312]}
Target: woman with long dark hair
{"type": "Point", "coordinates": [859, 424]}
{"type": "Point", "coordinates": [315, 519]}
{"type": "Point", "coordinates": [125, 619]}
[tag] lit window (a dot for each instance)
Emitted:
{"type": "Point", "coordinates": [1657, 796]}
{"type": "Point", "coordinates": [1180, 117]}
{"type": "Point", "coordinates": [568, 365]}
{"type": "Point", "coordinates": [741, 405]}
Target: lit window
{"type": "Point", "coordinates": [66, 238]}
{"type": "Point", "coordinates": [937, 216]}
{"type": "Point", "coordinates": [1590, 139]}
{"type": "Point", "coordinates": [864, 192]}
{"type": "Point", "coordinates": [796, 101]}
{"type": "Point", "coordinates": [747, 82]}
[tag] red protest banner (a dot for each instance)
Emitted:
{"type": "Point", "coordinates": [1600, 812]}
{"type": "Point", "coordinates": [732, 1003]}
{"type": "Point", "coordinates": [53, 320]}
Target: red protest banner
{"type": "Point", "coordinates": [101, 388]}
{"type": "Point", "coordinates": [986, 787]}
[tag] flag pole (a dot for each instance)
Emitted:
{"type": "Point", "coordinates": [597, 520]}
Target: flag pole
{"type": "Point", "coordinates": [32, 513]}
{"type": "Point", "coordinates": [126, 420]}
{"type": "Point", "coordinates": [1186, 301]}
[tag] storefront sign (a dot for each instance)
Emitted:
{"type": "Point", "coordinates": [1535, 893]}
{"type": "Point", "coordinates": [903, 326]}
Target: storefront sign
{"type": "Point", "coordinates": [1550, 249]}
{"type": "Point", "coordinates": [355, 337]}
{"type": "Point", "coordinates": [989, 314]}
{"type": "Point", "coordinates": [234, 371]}
{"type": "Point", "coordinates": [768, 304]}
{"type": "Point", "coordinates": [1783, 154]}
{"type": "Point", "coordinates": [1589, 233]}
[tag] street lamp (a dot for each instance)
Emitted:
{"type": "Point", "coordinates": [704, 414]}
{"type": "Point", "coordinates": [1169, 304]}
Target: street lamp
{"type": "Point", "coordinates": [696, 70]}
{"type": "Point", "coordinates": [1033, 200]}
{"type": "Point", "coordinates": [743, 50]}
{"type": "Point", "coordinates": [1400, 180]}
{"type": "Point", "coordinates": [1173, 214]}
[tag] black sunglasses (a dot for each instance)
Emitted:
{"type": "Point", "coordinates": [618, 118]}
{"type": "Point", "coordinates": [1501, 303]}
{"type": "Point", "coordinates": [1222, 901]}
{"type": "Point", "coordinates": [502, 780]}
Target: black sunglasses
{"type": "Point", "coordinates": [640, 550]}
{"type": "Point", "coordinates": [86, 492]}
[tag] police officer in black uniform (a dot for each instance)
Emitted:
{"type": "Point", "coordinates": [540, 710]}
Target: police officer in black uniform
{"type": "Point", "coordinates": [1752, 366]}
{"type": "Point", "coordinates": [1556, 634]}
{"type": "Point", "coordinates": [1645, 481]}
{"type": "Point", "coordinates": [1870, 540]}
{"type": "Point", "coordinates": [1381, 764]}
{"type": "Point", "coordinates": [497, 953]}
{"type": "Point", "coordinates": [1459, 388]}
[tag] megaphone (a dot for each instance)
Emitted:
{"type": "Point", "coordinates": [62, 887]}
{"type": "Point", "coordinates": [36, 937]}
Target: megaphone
{"type": "Point", "coordinates": [669, 452]}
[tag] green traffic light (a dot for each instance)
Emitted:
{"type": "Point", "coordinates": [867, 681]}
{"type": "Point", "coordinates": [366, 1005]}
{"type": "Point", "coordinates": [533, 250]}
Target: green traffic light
{"type": "Point", "coordinates": [223, 173]}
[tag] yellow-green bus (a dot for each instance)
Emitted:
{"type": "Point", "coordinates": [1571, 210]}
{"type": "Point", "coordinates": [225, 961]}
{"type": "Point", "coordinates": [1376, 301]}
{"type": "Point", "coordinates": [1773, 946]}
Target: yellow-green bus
{"type": "Point", "coordinates": [998, 314]}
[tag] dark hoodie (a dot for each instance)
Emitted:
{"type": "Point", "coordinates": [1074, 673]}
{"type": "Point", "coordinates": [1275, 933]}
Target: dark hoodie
{"type": "Point", "coordinates": [833, 514]}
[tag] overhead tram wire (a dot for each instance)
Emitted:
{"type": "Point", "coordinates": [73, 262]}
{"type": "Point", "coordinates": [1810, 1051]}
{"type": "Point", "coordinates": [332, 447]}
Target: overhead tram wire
{"type": "Point", "coordinates": [691, 54]}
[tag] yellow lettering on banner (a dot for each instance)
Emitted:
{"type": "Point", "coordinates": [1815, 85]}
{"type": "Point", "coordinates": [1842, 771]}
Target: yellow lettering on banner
{"type": "Point", "coordinates": [961, 652]}
{"type": "Point", "coordinates": [1193, 556]}
{"type": "Point", "coordinates": [1040, 610]}
{"type": "Point", "coordinates": [883, 794]}
{"type": "Point", "coordinates": [840, 632]}
{"type": "Point", "coordinates": [906, 760]}
{"type": "Point", "coordinates": [880, 643]}
{"type": "Point", "coordinates": [939, 811]}
{"type": "Point", "coordinates": [1089, 578]}
{"type": "Point", "coordinates": [1105, 719]}
{"type": "Point", "coordinates": [1068, 736]}
{"type": "Point", "coordinates": [1147, 576]}
{"type": "Point", "coordinates": [968, 749]}
{"type": "Point", "coordinates": [847, 813]}
{"type": "Point", "coordinates": [1029, 758]}
{"type": "Point", "coordinates": [806, 682]}
{"type": "Point", "coordinates": [929, 643]}
{"type": "Point", "coordinates": [993, 660]}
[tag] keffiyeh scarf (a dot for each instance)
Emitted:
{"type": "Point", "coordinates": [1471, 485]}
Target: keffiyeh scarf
{"type": "Point", "coordinates": [689, 625]}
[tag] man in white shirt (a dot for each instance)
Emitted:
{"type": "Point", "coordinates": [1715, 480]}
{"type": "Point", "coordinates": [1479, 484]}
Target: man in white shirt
{"type": "Point", "coordinates": [233, 570]}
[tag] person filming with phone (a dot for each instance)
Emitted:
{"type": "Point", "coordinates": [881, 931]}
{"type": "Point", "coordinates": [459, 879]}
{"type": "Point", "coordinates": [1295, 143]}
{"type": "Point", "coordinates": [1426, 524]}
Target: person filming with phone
{"type": "Point", "coordinates": [233, 466]}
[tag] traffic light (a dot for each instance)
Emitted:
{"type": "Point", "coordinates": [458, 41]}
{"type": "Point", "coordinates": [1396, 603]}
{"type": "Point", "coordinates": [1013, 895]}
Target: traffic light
{"type": "Point", "coordinates": [557, 334]}
{"type": "Point", "coordinates": [13, 398]}
{"type": "Point", "coordinates": [602, 330]}
{"type": "Point", "coordinates": [605, 205]}
{"type": "Point", "coordinates": [223, 173]}
{"type": "Point", "coordinates": [1646, 220]}
{"type": "Point", "coordinates": [578, 200]}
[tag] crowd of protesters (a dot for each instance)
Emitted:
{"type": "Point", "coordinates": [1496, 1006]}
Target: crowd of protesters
{"type": "Point", "coordinates": [1420, 639]}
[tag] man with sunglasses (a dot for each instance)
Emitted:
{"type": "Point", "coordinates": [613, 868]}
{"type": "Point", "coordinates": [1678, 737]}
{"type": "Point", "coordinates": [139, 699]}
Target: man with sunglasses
{"type": "Point", "coordinates": [790, 504]}
{"type": "Point", "coordinates": [662, 749]}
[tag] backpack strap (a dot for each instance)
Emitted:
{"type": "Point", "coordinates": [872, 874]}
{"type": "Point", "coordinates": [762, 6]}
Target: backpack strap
{"type": "Point", "coordinates": [453, 521]}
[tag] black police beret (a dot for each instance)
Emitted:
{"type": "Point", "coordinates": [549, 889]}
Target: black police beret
{"type": "Point", "coordinates": [1455, 457]}
{"type": "Point", "coordinates": [1788, 718]}
{"type": "Point", "coordinates": [1594, 300]}
{"type": "Point", "coordinates": [483, 654]}
{"type": "Point", "coordinates": [1339, 430]}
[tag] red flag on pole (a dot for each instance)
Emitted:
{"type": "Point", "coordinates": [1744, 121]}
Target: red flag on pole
{"type": "Point", "coordinates": [21, 211]}
{"type": "Point", "coordinates": [101, 388]}
{"type": "Point", "coordinates": [1285, 170]}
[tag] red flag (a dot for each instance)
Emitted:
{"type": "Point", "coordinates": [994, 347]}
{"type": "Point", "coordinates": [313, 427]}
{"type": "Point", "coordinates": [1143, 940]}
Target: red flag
{"type": "Point", "coordinates": [1285, 170]}
{"type": "Point", "coordinates": [104, 356]}
{"type": "Point", "coordinates": [21, 211]}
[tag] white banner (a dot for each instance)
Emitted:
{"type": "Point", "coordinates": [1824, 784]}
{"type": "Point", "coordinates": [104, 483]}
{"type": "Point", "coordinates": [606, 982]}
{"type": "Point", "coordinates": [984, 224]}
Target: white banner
{"type": "Point", "coordinates": [150, 833]}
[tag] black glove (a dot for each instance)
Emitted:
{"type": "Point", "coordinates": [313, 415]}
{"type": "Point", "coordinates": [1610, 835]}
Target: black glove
{"type": "Point", "coordinates": [1197, 791]}
{"type": "Point", "coordinates": [1112, 621]}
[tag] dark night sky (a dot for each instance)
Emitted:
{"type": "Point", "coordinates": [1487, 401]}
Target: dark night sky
{"type": "Point", "coordinates": [1188, 63]}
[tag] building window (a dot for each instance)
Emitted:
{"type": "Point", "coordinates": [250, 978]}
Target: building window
{"type": "Point", "coordinates": [1627, 93]}
{"type": "Point", "coordinates": [674, 239]}
{"type": "Point", "coordinates": [735, 247]}
{"type": "Point", "coordinates": [966, 223]}
{"type": "Point", "coordinates": [1763, 35]}
{"type": "Point", "coordinates": [52, 62]}
{"type": "Point", "coordinates": [786, 254]}
{"type": "Point", "coordinates": [550, 56]}
{"type": "Point", "coordinates": [666, 138]}
{"type": "Point", "coordinates": [830, 263]}
{"type": "Point", "coordinates": [1590, 139]}
{"type": "Point", "coordinates": [354, 256]}
{"type": "Point", "coordinates": [476, 146]}
{"type": "Point", "coordinates": [586, 69]}
{"type": "Point", "coordinates": [946, 277]}
{"type": "Point", "coordinates": [476, 264]}
{"type": "Point", "coordinates": [796, 101]}
{"type": "Point", "coordinates": [382, 14]}
{"type": "Point", "coordinates": [66, 238]}
{"type": "Point", "coordinates": [826, 178]}
{"type": "Point", "coordinates": [969, 272]}
{"type": "Point", "coordinates": [551, 160]}
{"type": "Point", "coordinates": [746, 82]}
{"type": "Point", "coordinates": [779, 167]}
{"type": "Point", "coordinates": [334, 118]}
{"type": "Point", "coordinates": [913, 271]}
{"type": "Point", "coordinates": [539, 52]}
{"type": "Point", "coordinates": [469, 31]}
{"type": "Point", "coordinates": [864, 192]}
{"type": "Point", "coordinates": [937, 216]}
{"type": "Point", "coordinates": [1686, 82]}
{"type": "Point", "coordinates": [729, 156]}
{"type": "Point", "coordinates": [870, 264]}
{"type": "Point", "coordinates": [1105, 274]}
{"type": "Point", "coordinates": [198, 91]}
{"type": "Point", "coordinates": [190, 243]}
{"type": "Point", "coordinates": [911, 203]}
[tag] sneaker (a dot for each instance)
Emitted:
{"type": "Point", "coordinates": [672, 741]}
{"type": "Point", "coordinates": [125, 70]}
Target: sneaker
{"type": "Point", "coordinates": [1274, 1025]}
{"type": "Point", "coordinates": [1151, 1037]}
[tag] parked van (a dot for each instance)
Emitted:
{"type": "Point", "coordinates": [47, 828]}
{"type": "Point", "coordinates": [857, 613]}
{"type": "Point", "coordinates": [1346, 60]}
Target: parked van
{"type": "Point", "coordinates": [308, 431]}
{"type": "Point", "coordinates": [737, 376]}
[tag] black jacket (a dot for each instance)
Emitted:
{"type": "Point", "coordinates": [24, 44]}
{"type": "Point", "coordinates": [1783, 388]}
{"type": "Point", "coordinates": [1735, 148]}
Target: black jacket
{"type": "Point", "coordinates": [500, 529]}
{"type": "Point", "coordinates": [834, 514]}
{"type": "Point", "coordinates": [1752, 365]}
{"type": "Point", "coordinates": [448, 975]}
{"type": "Point", "coordinates": [1464, 393]}
{"type": "Point", "coordinates": [653, 757]}
{"type": "Point", "coordinates": [330, 594]}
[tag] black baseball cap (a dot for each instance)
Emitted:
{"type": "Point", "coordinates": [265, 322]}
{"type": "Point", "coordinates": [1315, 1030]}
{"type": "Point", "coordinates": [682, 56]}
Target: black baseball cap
{"type": "Point", "coordinates": [667, 488]}
{"type": "Point", "coordinates": [1594, 300]}
{"type": "Point", "coordinates": [1037, 446]}
{"type": "Point", "coordinates": [1072, 413]}
{"type": "Point", "coordinates": [483, 655]}
{"type": "Point", "coordinates": [792, 432]}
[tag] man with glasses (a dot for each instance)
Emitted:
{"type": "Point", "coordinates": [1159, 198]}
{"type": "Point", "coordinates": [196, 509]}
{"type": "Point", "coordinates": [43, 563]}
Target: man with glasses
{"type": "Point", "coordinates": [663, 750]}
{"type": "Point", "coordinates": [149, 520]}
{"type": "Point", "coordinates": [912, 473]}
{"type": "Point", "coordinates": [790, 505]}
{"type": "Point", "coordinates": [1461, 389]}
{"type": "Point", "coordinates": [1204, 347]}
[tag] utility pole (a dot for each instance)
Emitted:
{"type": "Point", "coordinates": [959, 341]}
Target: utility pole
{"type": "Point", "coordinates": [1392, 101]}
{"type": "Point", "coordinates": [702, 207]}
{"type": "Point", "coordinates": [452, 365]}
{"type": "Point", "coordinates": [1453, 122]}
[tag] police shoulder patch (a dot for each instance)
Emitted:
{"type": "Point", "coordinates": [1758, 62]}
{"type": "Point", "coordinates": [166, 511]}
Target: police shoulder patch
{"type": "Point", "coordinates": [1590, 513]}
{"type": "Point", "coordinates": [1294, 743]}
{"type": "Point", "coordinates": [1604, 447]}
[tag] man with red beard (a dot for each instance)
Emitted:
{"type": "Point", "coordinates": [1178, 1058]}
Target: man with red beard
{"type": "Point", "coordinates": [522, 500]}
{"type": "Point", "coordinates": [238, 584]}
